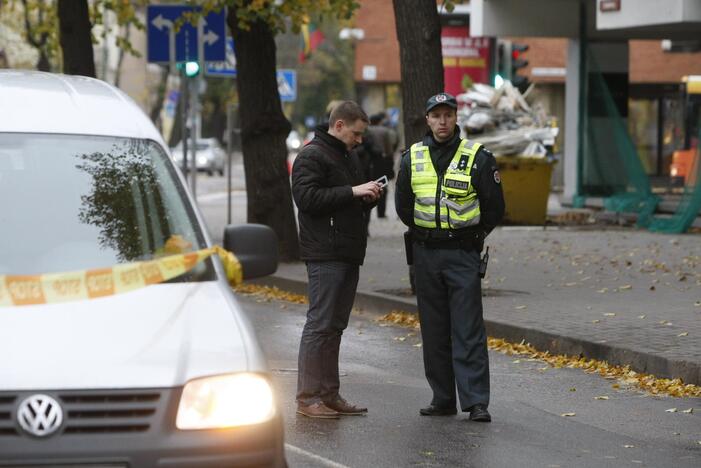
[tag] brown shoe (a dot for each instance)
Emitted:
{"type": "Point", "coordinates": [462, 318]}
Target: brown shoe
{"type": "Point", "coordinates": [317, 410]}
{"type": "Point", "coordinates": [343, 407]}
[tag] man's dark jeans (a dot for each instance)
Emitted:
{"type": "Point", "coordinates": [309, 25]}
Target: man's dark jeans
{"type": "Point", "coordinates": [332, 288]}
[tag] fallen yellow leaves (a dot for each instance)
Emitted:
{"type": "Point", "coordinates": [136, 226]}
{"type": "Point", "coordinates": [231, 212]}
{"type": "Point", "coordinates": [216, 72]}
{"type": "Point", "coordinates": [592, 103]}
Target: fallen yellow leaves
{"type": "Point", "coordinates": [624, 374]}
{"type": "Point", "coordinates": [568, 415]}
{"type": "Point", "coordinates": [401, 318]}
{"type": "Point", "coordinates": [270, 293]}
{"type": "Point", "coordinates": [602, 397]}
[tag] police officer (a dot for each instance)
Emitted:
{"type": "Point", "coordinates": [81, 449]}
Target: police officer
{"type": "Point", "coordinates": [449, 195]}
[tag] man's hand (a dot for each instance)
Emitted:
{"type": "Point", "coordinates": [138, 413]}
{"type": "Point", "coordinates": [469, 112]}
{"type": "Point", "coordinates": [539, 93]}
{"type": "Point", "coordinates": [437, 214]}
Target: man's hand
{"type": "Point", "coordinates": [369, 191]}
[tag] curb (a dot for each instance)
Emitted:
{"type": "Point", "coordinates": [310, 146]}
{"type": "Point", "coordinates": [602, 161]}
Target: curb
{"type": "Point", "coordinates": [639, 361]}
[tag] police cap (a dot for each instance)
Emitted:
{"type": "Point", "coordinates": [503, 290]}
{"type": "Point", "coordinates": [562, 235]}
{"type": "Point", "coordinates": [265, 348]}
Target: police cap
{"type": "Point", "coordinates": [441, 99]}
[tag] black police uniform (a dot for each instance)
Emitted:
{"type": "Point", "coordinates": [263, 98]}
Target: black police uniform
{"type": "Point", "coordinates": [448, 287]}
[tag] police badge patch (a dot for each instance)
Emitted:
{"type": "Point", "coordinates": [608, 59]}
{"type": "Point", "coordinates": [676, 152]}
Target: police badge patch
{"type": "Point", "coordinates": [497, 177]}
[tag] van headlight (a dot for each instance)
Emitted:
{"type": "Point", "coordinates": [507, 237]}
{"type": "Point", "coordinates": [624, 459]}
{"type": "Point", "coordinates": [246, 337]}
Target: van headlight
{"type": "Point", "coordinates": [225, 401]}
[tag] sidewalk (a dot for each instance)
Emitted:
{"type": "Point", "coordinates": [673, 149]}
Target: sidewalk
{"type": "Point", "coordinates": [625, 296]}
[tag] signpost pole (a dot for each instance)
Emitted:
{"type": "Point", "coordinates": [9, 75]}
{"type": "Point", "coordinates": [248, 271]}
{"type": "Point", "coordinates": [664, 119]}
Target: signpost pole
{"type": "Point", "coordinates": [229, 149]}
{"type": "Point", "coordinates": [171, 50]}
{"type": "Point", "coordinates": [193, 111]}
{"type": "Point", "coordinates": [184, 130]}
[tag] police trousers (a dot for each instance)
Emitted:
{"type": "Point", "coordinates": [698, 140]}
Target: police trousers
{"type": "Point", "coordinates": [449, 296]}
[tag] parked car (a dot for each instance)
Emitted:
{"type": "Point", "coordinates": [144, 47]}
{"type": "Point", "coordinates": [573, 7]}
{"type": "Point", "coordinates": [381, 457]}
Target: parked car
{"type": "Point", "coordinates": [211, 157]}
{"type": "Point", "coordinates": [169, 374]}
{"type": "Point", "coordinates": [293, 141]}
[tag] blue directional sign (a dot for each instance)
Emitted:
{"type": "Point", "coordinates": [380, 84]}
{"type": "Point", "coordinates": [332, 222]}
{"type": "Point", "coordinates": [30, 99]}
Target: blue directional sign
{"type": "Point", "coordinates": [287, 85]}
{"type": "Point", "coordinates": [227, 68]}
{"type": "Point", "coordinates": [161, 21]}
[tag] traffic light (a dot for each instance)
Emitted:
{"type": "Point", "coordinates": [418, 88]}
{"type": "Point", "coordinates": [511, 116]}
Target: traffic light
{"type": "Point", "coordinates": [502, 63]}
{"type": "Point", "coordinates": [191, 69]}
{"type": "Point", "coordinates": [517, 63]}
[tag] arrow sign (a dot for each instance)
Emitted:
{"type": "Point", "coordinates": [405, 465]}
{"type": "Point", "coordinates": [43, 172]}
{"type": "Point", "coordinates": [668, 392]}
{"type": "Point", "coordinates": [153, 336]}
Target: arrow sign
{"type": "Point", "coordinates": [210, 37]}
{"type": "Point", "coordinates": [160, 22]}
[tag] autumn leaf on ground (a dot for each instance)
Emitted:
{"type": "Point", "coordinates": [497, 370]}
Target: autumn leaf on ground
{"type": "Point", "coordinates": [567, 415]}
{"type": "Point", "coordinates": [683, 334]}
{"type": "Point", "coordinates": [629, 446]}
{"type": "Point", "coordinates": [625, 287]}
{"type": "Point", "coordinates": [602, 397]}
{"type": "Point", "coordinates": [671, 410]}
{"type": "Point", "coordinates": [641, 316]}
{"type": "Point", "coordinates": [609, 314]}
{"type": "Point", "coordinates": [688, 411]}
{"type": "Point", "coordinates": [521, 307]}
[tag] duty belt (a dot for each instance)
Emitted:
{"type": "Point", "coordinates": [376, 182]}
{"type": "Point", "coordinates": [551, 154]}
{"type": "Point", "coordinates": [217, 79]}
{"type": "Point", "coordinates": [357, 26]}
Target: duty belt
{"type": "Point", "coordinates": [448, 239]}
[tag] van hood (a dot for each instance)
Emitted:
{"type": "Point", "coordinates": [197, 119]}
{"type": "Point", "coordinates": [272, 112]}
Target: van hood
{"type": "Point", "coordinates": [156, 337]}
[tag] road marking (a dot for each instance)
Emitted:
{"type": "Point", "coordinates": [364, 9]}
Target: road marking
{"type": "Point", "coordinates": [218, 195]}
{"type": "Point", "coordinates": [315, 457]}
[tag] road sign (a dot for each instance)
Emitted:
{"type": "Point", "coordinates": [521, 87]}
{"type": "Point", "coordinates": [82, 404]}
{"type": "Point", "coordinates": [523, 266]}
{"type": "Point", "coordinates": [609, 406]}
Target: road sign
{"type": "Point", "coordinates": [161, 23]}
{"type": "Point", "coordinates": [227, 68]}
{"type": "Point", "coordinates": [287, 85]}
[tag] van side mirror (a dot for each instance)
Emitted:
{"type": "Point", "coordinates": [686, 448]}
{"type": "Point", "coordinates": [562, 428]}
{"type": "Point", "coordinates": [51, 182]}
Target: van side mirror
{"type": "Point", "coordinates": [255, 245]}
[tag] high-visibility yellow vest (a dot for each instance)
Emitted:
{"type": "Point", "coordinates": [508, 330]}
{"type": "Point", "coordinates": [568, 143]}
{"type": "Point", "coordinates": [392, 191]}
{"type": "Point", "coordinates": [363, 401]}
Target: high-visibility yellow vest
{"type": "Point", "coordinates": [450, 201]}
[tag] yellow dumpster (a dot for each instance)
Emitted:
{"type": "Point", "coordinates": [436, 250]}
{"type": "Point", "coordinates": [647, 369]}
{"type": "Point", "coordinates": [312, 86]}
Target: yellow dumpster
{"type": "Point", "coordinates": [526, 185]}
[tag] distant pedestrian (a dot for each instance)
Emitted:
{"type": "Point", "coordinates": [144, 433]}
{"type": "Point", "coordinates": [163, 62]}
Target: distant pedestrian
{"type": "Point", "coordinates": [369, 154]}
{"type": "Point", "coordinates": [449, 194]}
{"type": "Point", "coordinates": [384, 165]}
{"type": "Point", "coordinates": [334, 199]}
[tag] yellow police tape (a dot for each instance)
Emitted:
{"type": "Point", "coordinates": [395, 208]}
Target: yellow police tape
{"type": "Point", "coordinates": [18, 290]}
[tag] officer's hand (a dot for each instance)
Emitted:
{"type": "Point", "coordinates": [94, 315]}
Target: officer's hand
{"type": "Point", "coordinates": [369, 190]}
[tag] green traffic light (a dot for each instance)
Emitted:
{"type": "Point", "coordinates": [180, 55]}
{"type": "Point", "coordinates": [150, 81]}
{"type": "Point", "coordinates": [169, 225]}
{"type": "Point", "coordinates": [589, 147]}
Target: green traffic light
{"type": "Point", "coordinates": [192, 69]}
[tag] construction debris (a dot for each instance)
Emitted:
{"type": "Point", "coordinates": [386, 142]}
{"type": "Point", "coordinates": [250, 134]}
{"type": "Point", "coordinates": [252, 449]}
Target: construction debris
{"type": "Point", "coordinates": [505, 122]}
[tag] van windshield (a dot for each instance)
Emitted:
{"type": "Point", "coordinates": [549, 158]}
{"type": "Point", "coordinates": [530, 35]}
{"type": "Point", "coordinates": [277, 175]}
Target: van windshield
{"type": "Point", "coordinates": [73, 202]}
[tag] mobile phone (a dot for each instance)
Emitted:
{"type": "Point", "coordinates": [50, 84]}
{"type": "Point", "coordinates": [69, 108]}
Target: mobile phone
{"type": "Point", "coordinates": [383, 181]}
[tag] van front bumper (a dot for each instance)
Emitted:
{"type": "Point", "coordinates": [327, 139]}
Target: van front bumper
{"type": "Point", "coordinates": [134, 441]}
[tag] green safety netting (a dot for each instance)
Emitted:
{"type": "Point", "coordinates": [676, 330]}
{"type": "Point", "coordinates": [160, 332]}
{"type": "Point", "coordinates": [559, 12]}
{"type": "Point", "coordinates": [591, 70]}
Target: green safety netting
{"type": "Point", "coordinates": [610, 165]}
{"type": "Point", "coordinates": [689, 205]}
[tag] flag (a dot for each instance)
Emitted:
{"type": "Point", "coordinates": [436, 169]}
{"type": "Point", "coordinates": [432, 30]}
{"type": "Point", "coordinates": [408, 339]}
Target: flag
{"type": "Point", "coordinates": [312, 37]}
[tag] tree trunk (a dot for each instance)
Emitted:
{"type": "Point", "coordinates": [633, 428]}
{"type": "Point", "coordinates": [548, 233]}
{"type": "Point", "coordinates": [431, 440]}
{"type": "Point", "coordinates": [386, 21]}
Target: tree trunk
{"type": "Point", "coordinates": [419, 35]}
{"type": "Point", "coordinates": [76, 41]}
{"type": "Point", "coordinates": [264, 129]}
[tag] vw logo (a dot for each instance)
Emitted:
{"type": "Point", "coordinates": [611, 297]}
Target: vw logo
{"type": "Point", "coordinates": [39, 415]}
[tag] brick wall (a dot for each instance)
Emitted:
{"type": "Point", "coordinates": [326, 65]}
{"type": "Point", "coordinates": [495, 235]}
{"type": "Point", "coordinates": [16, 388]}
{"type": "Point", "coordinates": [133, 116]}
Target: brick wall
{"type": "Point", "coordinates": [380, 46]}
{"type": "Point", "coordinates": [649, 64]}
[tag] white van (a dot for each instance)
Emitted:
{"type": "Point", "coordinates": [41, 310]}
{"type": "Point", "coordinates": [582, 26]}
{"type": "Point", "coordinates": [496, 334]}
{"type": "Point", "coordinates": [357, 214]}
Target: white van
{"type": "Point", "coordinates": [170, 374]}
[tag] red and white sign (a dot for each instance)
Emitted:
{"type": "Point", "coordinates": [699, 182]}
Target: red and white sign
{"type": "Point", "coordinates": [465, 59]}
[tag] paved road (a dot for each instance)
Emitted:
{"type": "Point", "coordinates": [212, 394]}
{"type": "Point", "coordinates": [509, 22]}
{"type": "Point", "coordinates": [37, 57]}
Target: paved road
{"type": "Point", "coordinates": [385, 373]}
{"type": "Point", "coordinates": [618, 294]}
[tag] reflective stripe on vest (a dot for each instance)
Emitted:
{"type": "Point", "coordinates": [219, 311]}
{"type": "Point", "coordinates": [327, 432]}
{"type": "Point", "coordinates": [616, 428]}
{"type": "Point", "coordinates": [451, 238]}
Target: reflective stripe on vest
{"type": "Point", "coordinates": [453, 204]}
